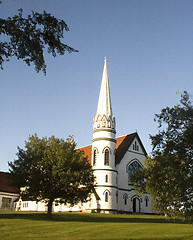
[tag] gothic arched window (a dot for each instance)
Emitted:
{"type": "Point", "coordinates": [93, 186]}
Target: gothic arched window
{"type": "Point", "coordinates": [94, 156]}
{"type": "Point", "coordinates": [132, 168]}
{"type": "Point", "coordinates": [106, 157]}
{"type": "Point", "coordinates": [146, 201]}
{"type": "Point", "coordinates": [125, 197]}
{"type": "Point", "coordinates": [135, 146]}
{"type": "Point", "coordinates": [106, 196]}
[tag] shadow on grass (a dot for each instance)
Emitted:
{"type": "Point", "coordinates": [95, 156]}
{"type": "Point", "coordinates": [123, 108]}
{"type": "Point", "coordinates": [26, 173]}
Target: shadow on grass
{"type": "Point", "coordinates": [92, 217]}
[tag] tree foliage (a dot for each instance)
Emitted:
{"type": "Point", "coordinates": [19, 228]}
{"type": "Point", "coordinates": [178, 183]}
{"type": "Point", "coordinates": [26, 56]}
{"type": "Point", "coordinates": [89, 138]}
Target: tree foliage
{"type": "Point", "coordinates": [26, 38]}
{"type": "Point", "coordinates": [168, 175]}
{"type": "Point", "coordinates": [52, 170]}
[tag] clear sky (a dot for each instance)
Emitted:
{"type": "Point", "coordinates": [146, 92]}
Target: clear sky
{"type": "Point", "coordinates": [149, 49]}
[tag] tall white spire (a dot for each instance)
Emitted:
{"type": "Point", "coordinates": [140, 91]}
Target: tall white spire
{"type": "Point", "coordinates": [104, 117]}
{"type": "Point", "coordinates": [103, 148]}
{"type": "Point", "coordinates": [104, 103]}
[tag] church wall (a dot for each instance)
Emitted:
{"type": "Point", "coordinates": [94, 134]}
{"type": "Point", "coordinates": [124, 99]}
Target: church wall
{"type": "Point", "coordinates": [101, 177]}
{"type": "Point", "coordinates": [30, 206]}
{"type": "Point", "coordinates": [111, 205]}
{"type": "Point", "coordinates": [100, 146]}
{"type": "Point", "coordinates": [126, 191]}
{"type": "Point", "coordinates": [7, 200]}
{"type": "Point", "coordinates": [122, 167]}
{"type": "Point", "coordinates": [106, 185]}
{"type": "Point", "coordinates": [143, 202]}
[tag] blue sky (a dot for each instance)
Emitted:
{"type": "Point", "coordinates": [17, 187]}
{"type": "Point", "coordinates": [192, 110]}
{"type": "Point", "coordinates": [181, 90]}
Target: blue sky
{"type": "Point", "coordinates": [149, 49]}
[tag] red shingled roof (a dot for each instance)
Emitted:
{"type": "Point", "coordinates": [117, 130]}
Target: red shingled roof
{"type": "Point", "coordinates": [4, 183]}
{"type": "Point", "coordinates": [122, 145]}
{"type": "Point", "coordinates": [87, 152]}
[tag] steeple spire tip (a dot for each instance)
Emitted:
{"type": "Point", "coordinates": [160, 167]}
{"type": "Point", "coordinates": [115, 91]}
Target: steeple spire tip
{"type": "Point", "coordinates": [104, 103]}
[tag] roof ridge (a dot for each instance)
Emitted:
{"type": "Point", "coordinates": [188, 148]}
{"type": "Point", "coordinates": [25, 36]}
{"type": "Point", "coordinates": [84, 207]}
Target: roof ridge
{"type": "Point", "coordinates": [127, 134]}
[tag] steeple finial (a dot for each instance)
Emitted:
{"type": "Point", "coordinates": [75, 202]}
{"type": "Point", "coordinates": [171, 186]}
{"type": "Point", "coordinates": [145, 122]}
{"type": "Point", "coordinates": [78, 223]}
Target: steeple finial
{"type": "Point", "coordinates": [104, 103]}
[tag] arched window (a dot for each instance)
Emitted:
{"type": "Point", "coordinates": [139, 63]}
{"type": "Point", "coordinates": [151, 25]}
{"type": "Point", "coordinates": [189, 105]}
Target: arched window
{"type": "Point", "coordinates": [135, 146]}
{"type": "Point", "coordinates": [116, 196]}
{"type": "Point", "coordinates": [94, 156]}
{"type": "Point", "coordinates": [125, 197]}
{"type": "Point", "coordinates": [106, 178]}
{"type": "Point", "coordinates": [106, 196]}
{"type": "Point", "coordinates": [132, 168]}
{"type": "Point", "coordinates": [106, 157]}
{"type": "Point", "coordinates": [146, 201]}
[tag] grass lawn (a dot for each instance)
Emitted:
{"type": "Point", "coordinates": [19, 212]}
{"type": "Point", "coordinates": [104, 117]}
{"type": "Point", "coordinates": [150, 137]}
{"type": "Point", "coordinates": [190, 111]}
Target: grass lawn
{"type": "Point", "coordinates": [21, 226]}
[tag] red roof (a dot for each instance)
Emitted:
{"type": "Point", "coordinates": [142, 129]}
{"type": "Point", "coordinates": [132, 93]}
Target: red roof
{"type": "Point", "coordinates": [4, 183]}
{"type": "Point", "coordinates": [87, 152]}
{"type": "Point", "coordinates": [122, 145]}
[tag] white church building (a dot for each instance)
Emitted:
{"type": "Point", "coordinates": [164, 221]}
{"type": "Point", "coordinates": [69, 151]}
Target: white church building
{"type": "Point", "coordinates": [113, 160]}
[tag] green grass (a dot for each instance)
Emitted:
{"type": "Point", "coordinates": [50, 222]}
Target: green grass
{"type": "Point", "coordinates": [66, 226]}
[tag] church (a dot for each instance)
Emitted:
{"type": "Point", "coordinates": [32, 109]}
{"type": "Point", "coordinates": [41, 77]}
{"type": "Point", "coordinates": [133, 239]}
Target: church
{"type": "Point", "coordinates": [113, 160]}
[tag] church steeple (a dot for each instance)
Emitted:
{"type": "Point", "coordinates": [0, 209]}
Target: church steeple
{"type": "Point", "coordinates": [104, 103]}
{"type": "Point", "coordinates": [103, 148]}
{"type": "Point", "coordinates": [104, 117]}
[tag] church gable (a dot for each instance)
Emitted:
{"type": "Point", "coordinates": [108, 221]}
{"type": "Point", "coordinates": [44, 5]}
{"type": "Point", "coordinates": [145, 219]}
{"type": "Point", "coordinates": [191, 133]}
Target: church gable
{"type": "Point", "coordinates": [137, 146]}
{"type": "Point", "coordinates": [130, 143]}
{"type": "Point", "coordinates": [130, 156]}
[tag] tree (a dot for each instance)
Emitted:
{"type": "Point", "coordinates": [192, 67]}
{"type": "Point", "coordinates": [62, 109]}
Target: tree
{"type": "Point", "coordinates": [26, 38]}
{"type": "Point", "coordinates": [52, 170]}
{"type": "Point", "coordinates": [168, 175]}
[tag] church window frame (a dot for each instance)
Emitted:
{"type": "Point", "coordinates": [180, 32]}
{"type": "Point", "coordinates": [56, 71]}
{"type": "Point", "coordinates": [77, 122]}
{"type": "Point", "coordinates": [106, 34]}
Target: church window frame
{"type": "Point", "coordinates": [106, 157]}
{"type": "Point", "coordinates": [125, 197]}
{"type": "Point", "coordinates": [106, 194]}
{"type": "Point", "coordinates": [135, 146]}
{"type": "Point", "coordinates": [6, 203]}
{"type": "Point", "coordinates": [25, 204]}
{"type": "Point", "coordinates": [106, 151]}
{"type": "Point", "coordinates": [106, 178]}
{"type": "Point", "coordinates": [94, 157]}
{"type": "Point", "coordinates": [95, 152]}
{"type": "Point", "coordinates": [132, 167]}
{"type": "Point", "coordinates": [146, 201]}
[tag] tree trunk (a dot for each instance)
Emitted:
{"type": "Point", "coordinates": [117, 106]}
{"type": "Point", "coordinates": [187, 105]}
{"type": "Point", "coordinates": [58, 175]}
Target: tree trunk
{"type": "Point", "coordinates": [49, 212]}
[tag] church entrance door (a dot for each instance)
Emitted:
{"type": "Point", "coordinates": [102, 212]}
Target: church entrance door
{"type": "Point", "coordinates": [136, 205]}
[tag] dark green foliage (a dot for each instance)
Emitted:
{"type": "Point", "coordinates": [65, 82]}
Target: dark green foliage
{"type": "Point", "coordinates": [52, 169]}
{"type": "Point", "coordinates": [28, 37]}
{"type": "Point", "coordinates": [168, 175]}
